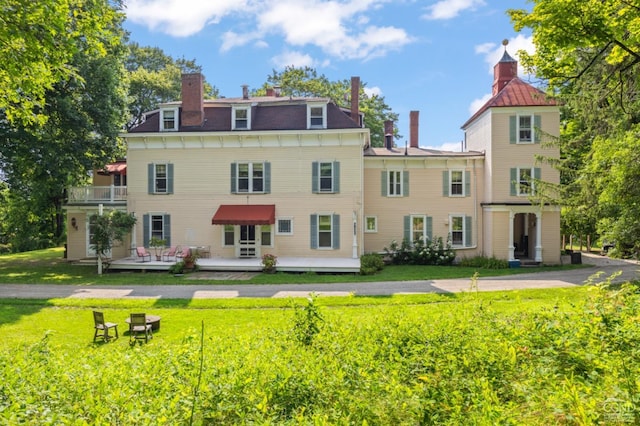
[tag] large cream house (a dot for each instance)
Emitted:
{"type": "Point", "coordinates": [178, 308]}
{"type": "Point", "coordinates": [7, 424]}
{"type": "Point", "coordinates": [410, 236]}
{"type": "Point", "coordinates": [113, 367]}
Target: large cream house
{"type": "Point", "coordinates": [298, 177]}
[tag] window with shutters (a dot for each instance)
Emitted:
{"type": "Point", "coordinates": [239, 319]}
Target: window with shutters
{"type": "Point", "coordinates": [525, 181]}
{"type": "Point", "coordinates": [325, 231]}
{"type": "Point", "coordinates": [418, 228]}
{"type": "Point", "coordinates": [456, 224]}
{"type": "Point", "coordinates": [156, 225]}
{"type": "Point", "coordinates": [325, 177]}
{"type": "Point", "coordinates": [394, 181]}
{"type": "Point", "coordinates": [160, 178]}
{"type": "Point", "coordinates": [250, 177]}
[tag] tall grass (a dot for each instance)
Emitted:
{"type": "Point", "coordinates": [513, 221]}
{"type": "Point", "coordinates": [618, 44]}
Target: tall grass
{"type": "Point", "coordinates": [531, 357]}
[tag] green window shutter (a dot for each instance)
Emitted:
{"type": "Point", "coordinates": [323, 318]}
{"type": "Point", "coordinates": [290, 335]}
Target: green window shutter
{"type": "Point", "coordinates": [383, 183]}
{"type": "Point", "coordinates": [146, 228]}
{"type": "Point", "coordinates": [150, 173]}
{"type": "Point", "coordinates": [336, 176]}
{"type": "Point", "coordinates": [233, 178]}
{"type": "Point", "coordinates": [315, 185]}
{"type": "Point", "coordinates": [267, 177]}
{"type": "Point", "coordinates": [405, 183]}
{"type": "Point", "coordinates": [166, 225]}
{"type": "Point", "coordinates": [313, 220]}
{"type": "Point", "coordinates": [429, 227]}
{"type": "Point", "coordinates": [536, 173]}
{"type": "Point", "coordinates": [467, 183]}
{"type": "Point", "coordinates": [513, 129]}
{"type": "Point", "coordinates": [514, 178]}
{"type": "Point", "coordinates": [407, 228]}
{"type": "Point", "coordinates": [170, 178]}
{"type": "Point", "coordinates": [335, 228]}
{"type": "Point", "coordinates": [537, 124]}
{"type": "Point", "coordinates": [467, 231]}
{"type": "Point", "coordinates": [445, 183]}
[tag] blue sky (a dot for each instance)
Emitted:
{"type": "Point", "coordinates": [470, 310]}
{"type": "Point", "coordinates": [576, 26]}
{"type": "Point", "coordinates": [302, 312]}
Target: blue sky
{"type": "Point", "coordinates": [435, 57]}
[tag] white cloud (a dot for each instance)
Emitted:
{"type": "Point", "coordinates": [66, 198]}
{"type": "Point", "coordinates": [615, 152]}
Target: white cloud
{"type": "Point", "coordinates": [297, 59]}
{"type": "Point", "coordinates": [476, 104]}
{"type": "Point", "coordinates": [493, 52]}
{"type": "Point", "coordinates": [448, 9]}
{"type": "Point", "coordinates": [180, 18]}
{"type": "Point", "coordinates": [340, 28]}
{"type": "Point", "coordinates": [373, 91]}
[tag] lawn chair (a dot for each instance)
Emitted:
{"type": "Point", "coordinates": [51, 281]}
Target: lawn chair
{"type": "Point", "coordinates": [170, 255]}
{"type": "Point", "coordinates": [143, 254]}
{"type": "Point", "coordinates": [138, 328]}
{"type": "Point", "coordinates": [102, 327]}
{"type": "Point", "coordinates": [185, 252]}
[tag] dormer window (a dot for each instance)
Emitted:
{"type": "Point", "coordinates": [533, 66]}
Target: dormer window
{"type": "Point", "coordinates": [317, 116]}
{"type": "Point", "coordinates": [169, 120]}
{"type": "Point", "coordinates": [241, 118]}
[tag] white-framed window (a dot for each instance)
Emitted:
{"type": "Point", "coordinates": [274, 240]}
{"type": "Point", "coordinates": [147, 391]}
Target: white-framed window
{"type": "Point", "coordinates": [325, 177]}
{"type": "Point", "coordinates": [525, 129]}
{"type": "Point", "coordinates": [456, 183]}
{"type": "Point", "coordinates": [160, 178]}
{"type": "Point", "coordinates": [419, 228]}
{"type": "Point", "coordinates": [525, 181]}
{"type": "Point", "coordinates": [371, 224]}
{"type": "Point", "coordinates": [250, 177]}
{"type": "Point", "coordinates": [169, 119]}
{"type": "Point", "coordinates": [241, 118]}
{"type": "Point", "coordinates": [266, 235]}
{"type": "Point", "coordinates": [325, 231]}
{"type": "Point", "coordinates": [456, 229]}
{"type": "Point", "coordinates": [394, 182]}
{"type": "Point", "coordinates": [156, 225]}
{"type": "Point", "coordinates": [317, 116]}
{"type": "Point", "coordinates": [228, 236]}
{"type": "Point", "coordinates": [284, 226]}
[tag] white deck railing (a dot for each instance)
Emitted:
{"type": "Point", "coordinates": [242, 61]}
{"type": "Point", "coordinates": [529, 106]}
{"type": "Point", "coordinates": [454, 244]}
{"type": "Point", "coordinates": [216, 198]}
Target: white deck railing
{"type": "Point", "coordinates": [97, 194]}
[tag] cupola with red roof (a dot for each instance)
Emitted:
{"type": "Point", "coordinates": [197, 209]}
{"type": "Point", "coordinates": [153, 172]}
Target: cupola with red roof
{"type": "Point", "coordinates": [504, 71]}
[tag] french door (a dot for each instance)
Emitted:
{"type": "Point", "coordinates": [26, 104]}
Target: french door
{"type": "Point", "coordinates": [247, 245]}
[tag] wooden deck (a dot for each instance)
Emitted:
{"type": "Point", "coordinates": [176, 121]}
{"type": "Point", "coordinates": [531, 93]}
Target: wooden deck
{"type": "Point", "coordinates": [285, 264]}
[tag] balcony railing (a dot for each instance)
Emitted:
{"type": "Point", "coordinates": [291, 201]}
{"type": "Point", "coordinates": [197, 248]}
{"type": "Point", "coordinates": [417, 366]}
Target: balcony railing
{"type": "Point", "coordinates": [97, 194]}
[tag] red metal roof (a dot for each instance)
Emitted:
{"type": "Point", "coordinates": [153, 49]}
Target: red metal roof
{"type": "Point", "coordinates": [515, 93]}
{"type": "Point", "coordinates": [245, 214]}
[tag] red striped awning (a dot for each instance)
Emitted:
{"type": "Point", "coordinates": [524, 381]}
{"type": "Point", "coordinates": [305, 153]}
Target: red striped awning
{"type": "Point", "coordinates": [245, 214]}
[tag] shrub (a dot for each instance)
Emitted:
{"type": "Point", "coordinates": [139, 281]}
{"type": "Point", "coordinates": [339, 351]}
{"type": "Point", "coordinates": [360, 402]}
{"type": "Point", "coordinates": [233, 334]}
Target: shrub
{"type": "Point", "coordinates": [484, 262]}
{"type": "Point", "coordinates": [370, 263]}
{"type": "Point", "coordinates": [269, 262]}
{"type": "Point", "coordinates": [434, 251]}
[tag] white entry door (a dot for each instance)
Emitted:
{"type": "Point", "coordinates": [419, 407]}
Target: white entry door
{"type": "Point", "coordinates": [247, 245]}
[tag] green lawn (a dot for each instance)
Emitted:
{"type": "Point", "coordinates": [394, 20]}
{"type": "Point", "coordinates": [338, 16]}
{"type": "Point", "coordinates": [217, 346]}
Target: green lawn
{"type": "Point", "coordinates": [535, 357]}
{"type": "Point", "coordinates": [49, 267]}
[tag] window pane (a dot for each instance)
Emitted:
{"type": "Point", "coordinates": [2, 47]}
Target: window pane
{"type": "Point", "coordinates": [326, 172]}
{"type": "Point", "coordinates": [265, 235]}
{"type": "Point", "coordinates": [395, 183]}
{"type": "Point", "coordinates": [371, 224]}
{"type": "Point", "coordinates": [456, 182]}
{"type": "Point", "coordinates": [324, 233]}
{"type": "Point", "coordinates": [525, 128]}
{"type": "Point", "coordinates": [284, 226]}
{"type": "Point", "coordinates": [316, 117]}
{"type": "Point", "coordinates": [258, 178]}
{"type": "Point", "coordinates": [228, 235]}
{"type": "Point", "coordinates": [157, 222]}
{"type": "Point", "coordinates": [418, 228]}
{"type": "Point", "coordinates": [525, 181]}
{"type": "Point", "coordinates": [168, 118]}
{"type": "Point", "coordinates": [161, 178]}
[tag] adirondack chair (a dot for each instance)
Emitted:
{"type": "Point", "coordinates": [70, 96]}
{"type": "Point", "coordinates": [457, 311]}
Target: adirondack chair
{"type": "Point", "coordinates": [102, 328]}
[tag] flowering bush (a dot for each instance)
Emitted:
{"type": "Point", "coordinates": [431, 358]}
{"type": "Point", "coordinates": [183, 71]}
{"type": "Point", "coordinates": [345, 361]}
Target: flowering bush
{"type": "Point", "coordinates": [434, 251]}
{"type": "Point", "coordinates": [269, 262]}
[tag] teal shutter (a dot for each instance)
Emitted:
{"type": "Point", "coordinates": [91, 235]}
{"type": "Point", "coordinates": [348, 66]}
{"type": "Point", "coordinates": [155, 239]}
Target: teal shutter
{"type": "Point", "coordinates": [513, 128]}
{"type": "Point", "coordinates": [166, 229]}
{"type": "Point", "coordinates": [536, 173]}
{"type": "Point", "coordinates": [467, 231]}
{"type": "Point", "coordinates": [429, 227]}
{"type": "Point", "coordinates": [233, 178]}
{"type": "Point", "coordinates": [336, 176]}
{"type": "Point", "coordinates": [170, 178]}
{"type": "Point", "coordinates": [445, 183]}
{"type": "Point", "coordinates": [150, 173]}
{"type": "Point", "coordinates": [313, 220]}
{"type": "Point", "coordinates": [335, 228]}
{"type": "Point", "coordinates": [407, 228]}
{"type": "Point", "coordinates": [383, 183]}
{"type": "Point", "coordinates": [467, 183]}
{"type": "Point", "coordinates": [267, 177]}
{"type": "Point", "coordinates": [514, 181]}
{"type": "Point", "coordinates": [405, 183]}
{"type": "Point", "coordinates": [315, 185]}
{"type": "Point", "coordinates": [146, 228]}
{"type": "Point", "coordinates": [537, 124]}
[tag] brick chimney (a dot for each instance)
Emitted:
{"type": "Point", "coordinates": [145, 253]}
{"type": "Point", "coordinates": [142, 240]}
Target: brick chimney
{"type": "Point", "coordinates": [245, 91]}
{"type": "Point", "coordinates": [413, 129]}
{"type": "Point", "coordinates": [388, 134]}
{"type": "Point", "coordinates": [270, 91]}
{"type": "Point", "coordinates": [504, 71]}
{"type": "Point", "coordinates": [355, 100]}
{"type": "Point", "coordinates": [192, 100]}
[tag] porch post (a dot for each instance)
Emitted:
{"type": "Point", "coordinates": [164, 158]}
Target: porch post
{"type": "Point", "coordinates": [511, 247]}
{"type": "Point", "coordinates": [539, 237]}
